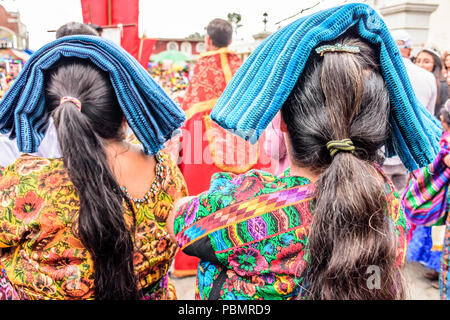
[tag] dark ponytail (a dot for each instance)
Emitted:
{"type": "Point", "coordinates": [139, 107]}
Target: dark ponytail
{"type": "Point", "coordinates": [338, 96]}
{"type": "Point", "coordinates": [82, 134]}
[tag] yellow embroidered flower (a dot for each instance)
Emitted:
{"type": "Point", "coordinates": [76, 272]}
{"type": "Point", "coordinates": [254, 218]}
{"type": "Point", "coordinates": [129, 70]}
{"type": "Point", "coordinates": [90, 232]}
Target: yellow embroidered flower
{"type": "Point", "coordinates": [284, 285]}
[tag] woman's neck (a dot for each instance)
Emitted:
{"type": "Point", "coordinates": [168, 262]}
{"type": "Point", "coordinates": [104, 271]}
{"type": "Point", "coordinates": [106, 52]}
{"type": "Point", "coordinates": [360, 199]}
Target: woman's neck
{"type": "Point", "coordinates": [114, 148]}
{"type": "Point", "coordinates": [296, 171]}
{"type": "Point", "coordinates": [305, 172]}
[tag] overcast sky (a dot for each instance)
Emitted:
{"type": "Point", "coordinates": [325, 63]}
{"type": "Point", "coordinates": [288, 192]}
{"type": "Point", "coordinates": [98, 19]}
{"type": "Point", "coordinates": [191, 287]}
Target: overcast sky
{"type": "Point", "coordinates": [163, 18]}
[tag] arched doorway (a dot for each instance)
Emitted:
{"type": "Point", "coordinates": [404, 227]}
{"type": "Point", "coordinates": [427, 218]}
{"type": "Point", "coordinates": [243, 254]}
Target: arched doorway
{"type": "Point", "coordinates": [7, 38]}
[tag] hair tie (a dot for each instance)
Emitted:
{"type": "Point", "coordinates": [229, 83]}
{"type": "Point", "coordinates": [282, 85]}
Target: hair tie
{"type": "Point", "coordinates": [75, 101]}
{"type": "Point", "coordinates": [337, 48]}
{"type": "Point", "coordinates": [345, 145]}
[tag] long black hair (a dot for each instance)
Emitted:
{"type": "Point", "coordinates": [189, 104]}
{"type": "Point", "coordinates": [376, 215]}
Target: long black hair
{"type": "Point", "coordinates": [338, 96]}
{"type": "Point", "coordinates": [82, 135]}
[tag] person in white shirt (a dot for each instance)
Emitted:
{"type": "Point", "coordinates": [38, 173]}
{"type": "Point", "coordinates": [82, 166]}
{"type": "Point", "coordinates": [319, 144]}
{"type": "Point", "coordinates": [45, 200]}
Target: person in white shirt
{"type": "Point", "coordinates": [49, 147]}
{"type": "Point", "coordinates": [422, 81]}
{"type": "Point", "coordinates": [424, 86]}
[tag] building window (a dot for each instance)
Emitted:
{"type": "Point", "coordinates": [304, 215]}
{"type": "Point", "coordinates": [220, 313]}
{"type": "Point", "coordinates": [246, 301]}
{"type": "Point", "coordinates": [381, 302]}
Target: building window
{"type": "Point", "coordinates": [186, 48]}
{"type": "Point", "coordinates": [200, 47]}
{"type": "Point", "coordinates": [172, 45]}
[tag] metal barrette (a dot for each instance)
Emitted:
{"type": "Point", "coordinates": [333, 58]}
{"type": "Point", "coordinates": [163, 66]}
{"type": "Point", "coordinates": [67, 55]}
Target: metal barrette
{"type": "Point", "coordinates": [337, 48]}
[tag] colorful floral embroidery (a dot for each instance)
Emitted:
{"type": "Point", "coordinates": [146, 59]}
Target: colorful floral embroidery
{"type": "Point", "coordinates": [7, 291]}
{"type": "Point", "coordinates": [250, 232]}
{"type": "Point", "coordinates": [43, 258]}
{"type": "Point", "coordinates": [27, 208]}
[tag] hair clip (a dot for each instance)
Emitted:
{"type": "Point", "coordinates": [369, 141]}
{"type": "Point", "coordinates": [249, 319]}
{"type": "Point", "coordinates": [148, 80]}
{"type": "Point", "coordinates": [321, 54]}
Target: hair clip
{"type": "Point", "coordinates": [337, 48]}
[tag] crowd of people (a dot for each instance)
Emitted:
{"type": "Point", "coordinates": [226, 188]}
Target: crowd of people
{"type": "Point", "coordinates": [427, 73]}
{"type": "Point", "coordinates": [7, 77]}
{"type": "Point", "coordinates": [320, 162]}
{"type": "Point", "coordinates": [172, 77]}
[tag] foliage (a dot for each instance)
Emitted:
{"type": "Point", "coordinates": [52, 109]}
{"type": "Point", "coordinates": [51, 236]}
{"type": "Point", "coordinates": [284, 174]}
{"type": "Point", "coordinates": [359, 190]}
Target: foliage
{"type": "Point", "coordinates": [196, 36]}
{"type": "Point", "coordinates": [235, 19]}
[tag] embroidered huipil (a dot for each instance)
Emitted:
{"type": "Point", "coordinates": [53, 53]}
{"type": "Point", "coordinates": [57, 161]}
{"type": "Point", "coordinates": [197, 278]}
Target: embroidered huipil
{"type": "Point", "coordinates": [41, 255]}
{"type": "Point", "coordinates": [250, 232]}
{"type": "Point", "coordinates": [426, 202]}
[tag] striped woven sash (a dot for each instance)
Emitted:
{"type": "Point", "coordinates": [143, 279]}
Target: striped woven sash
{"type": "Point", "coordinates": [244, 210]}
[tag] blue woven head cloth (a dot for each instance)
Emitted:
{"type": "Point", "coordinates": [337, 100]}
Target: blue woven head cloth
{"type": "Point", "coordinates": [263, 83]}
{"type": "Point", "coordinates": [150, 113]}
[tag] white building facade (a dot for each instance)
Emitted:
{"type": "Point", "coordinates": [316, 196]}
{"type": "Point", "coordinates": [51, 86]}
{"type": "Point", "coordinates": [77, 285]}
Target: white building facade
{"type": "Point", "coordinates": [427, 21]}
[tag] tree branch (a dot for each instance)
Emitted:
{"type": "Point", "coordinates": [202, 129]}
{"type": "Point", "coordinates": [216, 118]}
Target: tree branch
{"type": "Point", "coordinates": [303, 10]}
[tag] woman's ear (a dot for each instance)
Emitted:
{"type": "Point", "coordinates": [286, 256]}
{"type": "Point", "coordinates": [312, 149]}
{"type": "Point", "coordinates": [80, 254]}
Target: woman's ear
{"type": "Point", "coordinates": [124, 124]}
{"type": "Point", "coordinates": [444, 124]}
{"type": "Point", "coordinates": [283, 126]}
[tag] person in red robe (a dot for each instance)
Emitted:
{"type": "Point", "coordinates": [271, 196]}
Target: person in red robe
{"type": "Point", "coordinates": [206, 148]}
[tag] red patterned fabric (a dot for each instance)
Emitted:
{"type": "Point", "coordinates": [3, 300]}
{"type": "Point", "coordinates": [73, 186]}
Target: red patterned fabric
{"type": "Point", "coordinates": [208, 80]}
{"type": "Point", "coordinates": [206, 147]}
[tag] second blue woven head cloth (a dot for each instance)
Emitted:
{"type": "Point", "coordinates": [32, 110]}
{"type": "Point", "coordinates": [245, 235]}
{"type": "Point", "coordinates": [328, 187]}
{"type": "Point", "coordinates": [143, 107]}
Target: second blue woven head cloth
{"type": "Point", "coordinates": [149, 111]}
{"type": "Point", "coordinates": [264, 81]}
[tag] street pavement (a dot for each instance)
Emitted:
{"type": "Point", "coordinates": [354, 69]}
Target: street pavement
{"type": "Point", "coordinates": [417, 287]}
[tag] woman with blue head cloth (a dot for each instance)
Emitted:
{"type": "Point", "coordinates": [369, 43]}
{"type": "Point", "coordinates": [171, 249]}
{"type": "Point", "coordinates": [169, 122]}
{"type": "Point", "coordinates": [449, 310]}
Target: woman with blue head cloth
{"type": "Point", "coordinates": [89, 224]}
{"type": "Point", "coordinates": [331, 227]}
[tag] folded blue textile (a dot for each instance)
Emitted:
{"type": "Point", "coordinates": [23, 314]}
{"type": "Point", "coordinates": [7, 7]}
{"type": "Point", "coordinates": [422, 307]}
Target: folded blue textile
{"type": "Point", "coordinates": [262, 84]}
{"type": "Point", "coordinates": [150, 112]}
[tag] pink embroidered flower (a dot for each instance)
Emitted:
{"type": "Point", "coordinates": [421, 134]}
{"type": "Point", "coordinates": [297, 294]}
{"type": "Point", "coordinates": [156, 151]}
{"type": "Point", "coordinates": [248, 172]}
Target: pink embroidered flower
{"type": "Point", "coordinates": [247, 261]}
{"type": "Point", "coordinates": [28, 207]}
{"type": "Point", "coordinates": [247, 288]}
{"type": "Point", "coordinates": [290, 260]}
{"type": "Point", "coordinates": [250, 185]}
{"type": "Point", "coordinates": [62, 266]}
{"type": "Point", "coordinates": [52, 181]}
